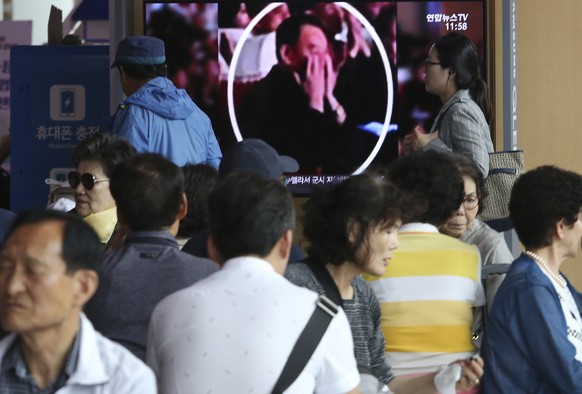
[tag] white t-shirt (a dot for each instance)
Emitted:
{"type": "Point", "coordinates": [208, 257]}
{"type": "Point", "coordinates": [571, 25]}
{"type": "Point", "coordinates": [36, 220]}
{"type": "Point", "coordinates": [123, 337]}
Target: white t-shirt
{"type": "Point", "coordinates": [233, 332]}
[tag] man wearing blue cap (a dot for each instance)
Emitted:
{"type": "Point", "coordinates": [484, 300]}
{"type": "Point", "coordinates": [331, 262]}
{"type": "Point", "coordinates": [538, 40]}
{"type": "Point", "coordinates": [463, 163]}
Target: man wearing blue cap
{"type": "Point", "coordinates": [256, 156]}
{"type": "Point", "coordinates": [156, 116]}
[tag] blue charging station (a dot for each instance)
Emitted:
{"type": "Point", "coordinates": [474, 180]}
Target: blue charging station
{"type": "Point", "coordinates": [59, 96]}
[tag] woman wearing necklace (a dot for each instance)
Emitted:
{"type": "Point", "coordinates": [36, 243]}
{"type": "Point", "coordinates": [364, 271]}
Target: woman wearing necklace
{"type": "Point", "coordinates": [533, 339]}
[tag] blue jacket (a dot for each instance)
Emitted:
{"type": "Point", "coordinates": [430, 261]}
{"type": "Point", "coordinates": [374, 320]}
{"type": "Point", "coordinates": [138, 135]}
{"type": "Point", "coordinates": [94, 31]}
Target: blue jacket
{"type": "Point", "coordinates": [526, 348]}
{"type": "Point", "coordinates": [162, 119]}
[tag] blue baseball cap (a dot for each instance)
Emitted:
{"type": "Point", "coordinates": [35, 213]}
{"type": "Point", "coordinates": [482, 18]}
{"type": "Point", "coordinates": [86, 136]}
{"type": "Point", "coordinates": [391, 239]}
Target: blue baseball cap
{"type": "Point", "coordinates": [256, 156]}
{"type": "Point", "coordinates": [143, 50]}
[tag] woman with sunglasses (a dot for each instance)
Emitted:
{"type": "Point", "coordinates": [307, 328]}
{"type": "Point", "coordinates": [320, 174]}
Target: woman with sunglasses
{"type": "Point", "coordinates": [462, 124]}
{"type": "Point", "coordinates": [94, 160]}
{"type": "Point", "coordinates": [465, 225]}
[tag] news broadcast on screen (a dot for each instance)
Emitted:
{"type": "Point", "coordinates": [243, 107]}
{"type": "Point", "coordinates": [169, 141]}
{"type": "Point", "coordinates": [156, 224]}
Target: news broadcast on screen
{"type": "Point", "coordinates": [338, 96]}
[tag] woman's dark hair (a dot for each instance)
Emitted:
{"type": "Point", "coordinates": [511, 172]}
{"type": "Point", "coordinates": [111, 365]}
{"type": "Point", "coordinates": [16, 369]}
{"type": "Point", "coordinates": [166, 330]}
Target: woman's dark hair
{"type": "Point", "coordinates": [107, 149]}
{"type": "Point", "coordinates": [460, 54]}
{"type": "Point", "coordinates": [199, 181]}
{"type": "Point", "coordinates": [433, 182]}
{"type": "Point", "coordinates": [356, 205]}
{"type": "Point", "coordinates": [467, 167]}
{"type": "Point", "coordinates": [540, 198]}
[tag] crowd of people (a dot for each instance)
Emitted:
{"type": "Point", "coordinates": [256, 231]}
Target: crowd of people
{"type": "Point", "coordinates": [104, 299]}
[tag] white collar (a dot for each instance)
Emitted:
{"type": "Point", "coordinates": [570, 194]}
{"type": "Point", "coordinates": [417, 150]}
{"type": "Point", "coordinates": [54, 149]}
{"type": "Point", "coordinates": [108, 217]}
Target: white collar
{"type": "Point", "coordinates": [90, 369]}
{"type": "Point", "coordinates": [418, 227]}
{"type": "Point", "coordinates": [248, 263]}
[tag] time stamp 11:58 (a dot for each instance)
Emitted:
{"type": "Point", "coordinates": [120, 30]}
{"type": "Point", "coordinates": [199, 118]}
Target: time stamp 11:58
{"type": "Point", "coordinates": [451, 22]}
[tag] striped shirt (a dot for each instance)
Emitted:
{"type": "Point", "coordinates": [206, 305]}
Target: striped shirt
{"type": "Point", "coordinates": [426, 296]}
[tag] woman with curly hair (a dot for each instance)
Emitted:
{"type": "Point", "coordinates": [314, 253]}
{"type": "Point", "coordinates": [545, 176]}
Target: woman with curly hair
{"type": "Point", "coordinates": [428, 292]}
{"type": "Point", "coordinates": [352, 229]}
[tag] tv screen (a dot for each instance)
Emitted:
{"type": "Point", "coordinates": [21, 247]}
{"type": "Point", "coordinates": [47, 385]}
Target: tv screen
{"type": "Point", "coordinates": [339, 102]}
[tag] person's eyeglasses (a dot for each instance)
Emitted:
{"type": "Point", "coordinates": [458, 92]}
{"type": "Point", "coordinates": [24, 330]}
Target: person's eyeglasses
{"type": "Point", "coordinates": [470, 202]}
{"type": "Point", "coordinates": [428, 63]}
{"type": "Point", "coordinates": [88, 180]}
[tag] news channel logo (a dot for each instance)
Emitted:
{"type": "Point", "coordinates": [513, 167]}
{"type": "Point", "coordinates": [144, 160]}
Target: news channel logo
{"type": "Point", "coordinates": [67, 102]}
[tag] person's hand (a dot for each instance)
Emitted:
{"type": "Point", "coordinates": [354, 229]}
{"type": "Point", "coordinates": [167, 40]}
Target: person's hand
{"type": "Point", "coordinates": [314, 82]}
{"type": "Point", "coordinates": [417, 139]}
{"type": "Point", "coordinates": [471, 373]}
{"type": "Point", "coordinates": [330, 79]}
{"type": "Point", "coordinates": [356, 42]}
{"type": "Point", "coordinates": [409, 144]}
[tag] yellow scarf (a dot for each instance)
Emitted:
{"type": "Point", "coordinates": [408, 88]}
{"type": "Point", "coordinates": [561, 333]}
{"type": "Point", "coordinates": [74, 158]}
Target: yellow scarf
{"type": "Point", "coordinates": [103, 223]}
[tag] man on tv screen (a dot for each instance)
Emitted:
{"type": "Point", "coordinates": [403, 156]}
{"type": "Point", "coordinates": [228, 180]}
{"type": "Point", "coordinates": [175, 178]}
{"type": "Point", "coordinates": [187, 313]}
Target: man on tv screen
{"type": "Point", "coordinates": [294, 108]}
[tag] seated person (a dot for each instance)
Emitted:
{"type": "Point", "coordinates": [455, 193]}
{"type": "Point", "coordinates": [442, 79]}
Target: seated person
{"type": "Point", "coordinates": [94, 160]}
{"type": "Point", "coordinates": [465, 226]}
{"type": "Point", "coordinates": [149, 192]}
{"type": "Point", "coordinates": [352, 228]}
{"type": "Point", "coordinates": [533, 342]}
{"type": "Point", "coordinates": [199, 181]}
{"type": "Point", "coordinates": [433, 281]}
{"type": "Point", "coordinates": [250, 155]}
{"type": "Point", "coordinates": [233, 332]}
{"type": "Point", "coordinates": [47, 273]}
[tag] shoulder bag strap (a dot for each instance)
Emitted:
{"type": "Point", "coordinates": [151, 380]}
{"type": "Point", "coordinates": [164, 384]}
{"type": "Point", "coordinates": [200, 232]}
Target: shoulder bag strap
{"type": "Point", "coordinates": [306, 344]}
{"type": "Point", "coordinates": [324, 278]}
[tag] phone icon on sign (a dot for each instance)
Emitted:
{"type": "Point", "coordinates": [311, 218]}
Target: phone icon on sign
{"type": "Point", "coordinates": [68, 103]}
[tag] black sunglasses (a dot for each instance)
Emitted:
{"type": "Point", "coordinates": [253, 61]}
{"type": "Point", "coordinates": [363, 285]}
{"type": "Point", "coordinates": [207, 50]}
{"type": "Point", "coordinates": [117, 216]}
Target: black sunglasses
{"type": "Point", "coordinates": [88, 180]}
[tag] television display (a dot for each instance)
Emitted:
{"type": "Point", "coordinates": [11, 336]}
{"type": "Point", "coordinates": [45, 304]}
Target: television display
{"type": "Point", "coordinates": [338, 98]}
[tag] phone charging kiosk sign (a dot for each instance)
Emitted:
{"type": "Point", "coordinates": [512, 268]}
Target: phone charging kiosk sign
{"type": "Point", "coordinates": [60, 95]}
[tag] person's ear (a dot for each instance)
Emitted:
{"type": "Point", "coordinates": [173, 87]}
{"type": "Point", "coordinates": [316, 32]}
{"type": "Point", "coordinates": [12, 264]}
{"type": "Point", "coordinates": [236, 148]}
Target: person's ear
{"type": "Point", "coordinates": [560, 229]}
{"type": "Point", "coordinates": [286, 53]}
{"type": "Point", "coordinates": [183, 208]}
{"type": "Point", "coordinates": [285, 244]}
{"type": "Point", "coordinates": [122, 74]}
{"type": "Point", "coordinates": [212, 251]}
{"type": "Point", "coordinates": [85, 284]}
{"type": "Point", "coordinates": [279, 256]}
{"type": "Point", "coordinates": [353, 231]}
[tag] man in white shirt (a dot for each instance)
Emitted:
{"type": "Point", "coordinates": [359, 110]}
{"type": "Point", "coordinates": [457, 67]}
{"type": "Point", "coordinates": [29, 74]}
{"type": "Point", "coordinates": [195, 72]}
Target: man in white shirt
{"type": "Point", "coordinates": [47, 274]}
{"type": "Point", "coordinates": [234, 331]}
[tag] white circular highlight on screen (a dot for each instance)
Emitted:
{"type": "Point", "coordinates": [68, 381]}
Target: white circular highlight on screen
{"type": "Point", "coordinates": [383, 56]}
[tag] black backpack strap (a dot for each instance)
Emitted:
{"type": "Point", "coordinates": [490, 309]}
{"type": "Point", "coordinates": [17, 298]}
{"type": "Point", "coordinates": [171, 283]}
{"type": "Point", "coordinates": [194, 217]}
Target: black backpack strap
{"type": "Point", "coordinates": [306, 343]}
{"type": "Point", "coordinates": [324, 278]}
